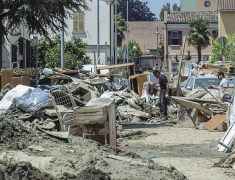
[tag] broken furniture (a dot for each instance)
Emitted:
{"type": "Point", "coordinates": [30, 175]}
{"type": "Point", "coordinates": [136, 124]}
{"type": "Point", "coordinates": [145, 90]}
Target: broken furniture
{"type": "Point", "coordinates": [64, 105]}
{"type": "Point", "coordinates": [137, 81]}
{"type": "Point", "coordinates": [97, 120]}
{"type": "Point", "coordinates": [114, 70]}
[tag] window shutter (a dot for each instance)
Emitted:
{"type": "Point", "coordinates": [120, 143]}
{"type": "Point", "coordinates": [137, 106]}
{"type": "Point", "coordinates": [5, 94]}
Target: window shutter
{"type": "Point", "coordinates": [75, 21]}
{"type": "Point", "coordinates": [81, 22]}
{"type": "Point", "coordinates": [169, 38]}
{"type": "Point", "coordinates": [180, 38]}
{"type": "Point", "coordinates": [21, 46]}
{"type": "Point", "coordinates": [28, 53]}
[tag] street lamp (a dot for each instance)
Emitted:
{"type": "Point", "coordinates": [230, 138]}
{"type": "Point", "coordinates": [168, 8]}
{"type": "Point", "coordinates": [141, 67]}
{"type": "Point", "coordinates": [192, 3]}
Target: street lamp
{"type": "Point", "coordinates": [134, 48]}
{"type": "Point", "coordinates": [157, 33]}
{"type": "Point", "coordinates": [35, 42]}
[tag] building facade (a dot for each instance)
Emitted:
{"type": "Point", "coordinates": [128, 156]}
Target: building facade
{"type": "Point", "coordinates": [198, 5]}
{"type": "Point", "coordinates": [176, 30]}
{"type": "Point", "coordinates": [84, 25]}
{"type": "Point", "coordinates": [226, 10]}
{"type": "Point", "coordinates": [16, 51]}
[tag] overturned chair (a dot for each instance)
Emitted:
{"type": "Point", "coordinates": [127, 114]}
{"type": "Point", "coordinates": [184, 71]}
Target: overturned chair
{"type": "Point", "coordinates": [64, 105]}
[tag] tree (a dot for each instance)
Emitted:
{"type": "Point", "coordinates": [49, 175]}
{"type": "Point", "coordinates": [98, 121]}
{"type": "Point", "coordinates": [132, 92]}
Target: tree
{"type": "Point", "coordinates": [49, 53]}
{"type": "Point", "coordinates": [161, 51]}
{"type": "Point", "coordinates": [229, 49]}
{"type": "Point", "coordinates": [138, 11]}
{"type": "Point", "coordinates": [175, 7]}
{"type": "Point", "coordinates": [188, 56]}
{"type": "Point", "coordinates": [167, 6]}
{"type": "Point", "coordinates": [132, 53]}
{"type": "Point", "coordinates": [216, 50]}
{"type": "Point", "coordinates": [38, 16]}
{"type": "Point", "coordinates": [199, 35]}
{"type": "Point", "coordinates": [120, 29]}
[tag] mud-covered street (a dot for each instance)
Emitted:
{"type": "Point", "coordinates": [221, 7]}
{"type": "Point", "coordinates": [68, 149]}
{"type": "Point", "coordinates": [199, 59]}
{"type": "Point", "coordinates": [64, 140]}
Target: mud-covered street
{"type": "Point", "coordinates": [193, 152]}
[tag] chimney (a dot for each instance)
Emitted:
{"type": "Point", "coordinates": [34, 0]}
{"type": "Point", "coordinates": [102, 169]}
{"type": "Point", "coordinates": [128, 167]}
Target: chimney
{"type": "Point", "coordinates": [166, 11]}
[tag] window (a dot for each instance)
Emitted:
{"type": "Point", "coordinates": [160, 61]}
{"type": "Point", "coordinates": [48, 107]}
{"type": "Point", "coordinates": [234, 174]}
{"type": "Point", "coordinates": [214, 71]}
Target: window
{"type": "Point", "coordinates": [79, 22]}
{"type": "Point", "coordinates": [189, 83]}
{"type": "Point", "coordinates": [206, 82]}
{"type": "Point", "coordinates": [215, 34]}
{"type": "Point", "coordinates": [174, 37]}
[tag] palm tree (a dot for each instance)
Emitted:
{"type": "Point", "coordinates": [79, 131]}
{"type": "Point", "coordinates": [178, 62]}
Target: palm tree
{"type": "Point", "coordinates": [199, 35]}
{"type": "Point", "coordinates": [121, 22]}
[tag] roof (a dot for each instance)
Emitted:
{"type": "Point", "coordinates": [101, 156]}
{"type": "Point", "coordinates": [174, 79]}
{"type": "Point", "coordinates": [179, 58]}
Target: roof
{"type": "Point", "coordinates": [227, 5]}
{"type": "Point", "coordinates": [185, 16]}
{"type": "Point", "coordinates": [143, 32]}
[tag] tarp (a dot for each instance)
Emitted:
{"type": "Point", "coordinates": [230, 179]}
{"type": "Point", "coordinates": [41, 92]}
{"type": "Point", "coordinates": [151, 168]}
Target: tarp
{"type": "Point", "coordinates": [33, 101]}
{"type": "Point", "coordinates": [18, 91]}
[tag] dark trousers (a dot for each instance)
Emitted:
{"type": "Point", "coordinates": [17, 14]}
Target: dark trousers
{"type": "Point", "coordinates": [162, 103]}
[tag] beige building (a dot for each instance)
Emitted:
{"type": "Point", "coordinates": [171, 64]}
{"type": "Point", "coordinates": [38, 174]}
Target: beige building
{"type": "Point", "coordinates": [198, 5]}
{"type": "Point", "coordinates": [176, 30]}
{"type": "Point", "coordinates": [226, 11]}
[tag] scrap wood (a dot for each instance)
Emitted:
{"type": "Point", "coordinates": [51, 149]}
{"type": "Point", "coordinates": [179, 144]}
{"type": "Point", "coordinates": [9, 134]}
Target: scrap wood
{"type": "Point", "coordinates": [126, 110]}
{"type": "Point", "coordinates": [57, 134]}
{"type": "Point", "coordinates": [132, 161]}
{"type": "Point", "coordinates": [190, 104]}
{"type": "Point", "coordinates": [215, 121]}
{"type": "Point", "coordinates": [211, 94]}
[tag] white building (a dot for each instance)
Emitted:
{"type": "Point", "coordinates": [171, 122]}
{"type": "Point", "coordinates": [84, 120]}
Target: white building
{"type": "Point", "coordinates": [16, 50]}
{"type": "Point", "coordinates": [84, 26]}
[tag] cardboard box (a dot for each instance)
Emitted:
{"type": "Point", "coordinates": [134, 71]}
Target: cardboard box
{"type": "Point", "coordinates": [84, 93]}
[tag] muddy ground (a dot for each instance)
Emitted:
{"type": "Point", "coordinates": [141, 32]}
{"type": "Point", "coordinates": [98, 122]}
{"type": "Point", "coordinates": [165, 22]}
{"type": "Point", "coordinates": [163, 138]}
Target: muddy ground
{"type": "Point", "coordinates": [29, 154]}
{"type": "Point", "coordinates": [147, 151]}
{"type": "Point", "coordinates": [193, 152]}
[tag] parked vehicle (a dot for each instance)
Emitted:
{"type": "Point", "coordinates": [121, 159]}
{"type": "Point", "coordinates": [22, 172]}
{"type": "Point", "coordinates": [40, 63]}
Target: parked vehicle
{"type": "Point", "coordinates": [196, 82]}
{"type": "Point", "coordinates": [231, 107]}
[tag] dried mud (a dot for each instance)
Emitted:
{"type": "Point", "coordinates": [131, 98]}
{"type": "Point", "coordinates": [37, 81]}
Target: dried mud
{"type": "Point", "coordinates": [21, 171]}
{"type": "Point", "coordinates": [78, 158]}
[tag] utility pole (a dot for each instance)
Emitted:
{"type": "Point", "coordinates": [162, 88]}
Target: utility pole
{"type": "Point", "coordinates": [62, 47]}
{"type": "Point", "coordinates": [115, 55]}
{"type": "Point", "coordinates": [98, 32]}
{"type": "Point", "coordinates": [127, 30]}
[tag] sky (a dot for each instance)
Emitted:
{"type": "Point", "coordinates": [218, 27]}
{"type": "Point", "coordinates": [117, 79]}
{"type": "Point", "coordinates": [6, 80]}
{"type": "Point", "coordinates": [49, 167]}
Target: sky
{"type": "Point", "coordinates": [156, 5]}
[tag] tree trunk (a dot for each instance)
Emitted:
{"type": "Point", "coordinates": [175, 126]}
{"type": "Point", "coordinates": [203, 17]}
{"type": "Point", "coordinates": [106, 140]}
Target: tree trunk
{"type": "Point", "coordinates": [199, 53]}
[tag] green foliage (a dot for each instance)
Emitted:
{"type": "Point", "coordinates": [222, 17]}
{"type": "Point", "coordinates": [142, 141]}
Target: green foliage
{"type": "Point", "coordinates": [161, 51]}
{"type": "Point", "coordinates": [132, 52]}
{"type": "Point", "coordinates": [216, 50]}
{"type": "Point", "coordinates": [199, 35]}
{"type": "Point", "coordinates": [50, 56]}
{"type": "Point", "coordinates": [39, 16]}
{"type": "Point", "coordinates": [121, 22]}
{"type": "Point", "coordinates": [175, 7]}
{"type": "Point", "coordinates": [188, 56]}
{"type": "Point", "coordinates": [138, 10]}
{"type": "Point", "coordinates": [229, 49]}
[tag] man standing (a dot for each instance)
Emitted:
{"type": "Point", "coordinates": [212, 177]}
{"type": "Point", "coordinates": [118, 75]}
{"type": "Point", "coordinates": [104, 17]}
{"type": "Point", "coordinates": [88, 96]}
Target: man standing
{"type": "Point", "coordinates": [223, 83]}
{"type": "Point", "coordinates": [164, 90]}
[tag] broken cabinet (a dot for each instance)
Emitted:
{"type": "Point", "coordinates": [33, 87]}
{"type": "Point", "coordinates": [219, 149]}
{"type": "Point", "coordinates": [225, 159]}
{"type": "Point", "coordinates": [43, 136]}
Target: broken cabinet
{"type": "Point", "coordinates": [98, 120]}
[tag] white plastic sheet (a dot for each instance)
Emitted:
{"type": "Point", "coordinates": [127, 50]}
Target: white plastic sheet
{"type": "Point", "coordinates": [18, 91]}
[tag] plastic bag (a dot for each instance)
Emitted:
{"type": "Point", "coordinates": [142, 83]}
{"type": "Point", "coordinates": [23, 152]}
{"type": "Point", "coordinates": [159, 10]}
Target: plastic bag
{"type": "Point", "coordinates": [34, 101]}
{"type": "Point", "coordinates": [18, 91]}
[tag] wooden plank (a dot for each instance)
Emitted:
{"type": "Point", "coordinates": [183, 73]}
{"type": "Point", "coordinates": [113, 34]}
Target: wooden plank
{"type": "Point", "coordinates": [112, 125]}
{"type": "Point", "coordinates": [215, 121]}
{"type": "Point", "coordinates": [6, 77]}
{"type": "Point", "coordinates": [100, 102]}
{"type": "Point", "coordinates": [16, 81]}
{"type": "Point", "coordinates": [191, 104]}
{"type": "Point", "coordinates": [115, 66]}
